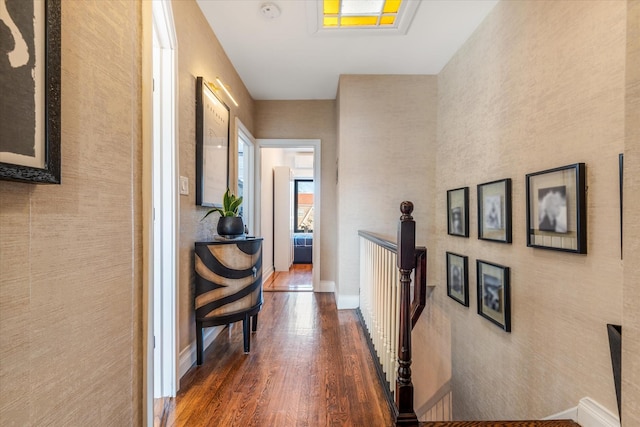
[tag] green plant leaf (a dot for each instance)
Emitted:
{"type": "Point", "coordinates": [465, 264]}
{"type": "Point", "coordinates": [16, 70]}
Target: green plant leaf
{"type": "Point", "coordinates": [230, 205]}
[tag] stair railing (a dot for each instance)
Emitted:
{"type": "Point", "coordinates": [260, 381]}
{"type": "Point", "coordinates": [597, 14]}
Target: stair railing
{"type": "Point", "coordinates": [390, 307]}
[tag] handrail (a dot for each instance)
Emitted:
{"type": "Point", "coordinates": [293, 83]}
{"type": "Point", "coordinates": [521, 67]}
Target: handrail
{"type": "Point", "coordinates": [419, 299]}
{"type": "Point", "coordinates": [390, 309]}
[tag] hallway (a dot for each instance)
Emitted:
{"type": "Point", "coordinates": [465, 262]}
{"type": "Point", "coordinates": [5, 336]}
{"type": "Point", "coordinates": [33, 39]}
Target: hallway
{"type": "Point", "coordinates": [309, 366]}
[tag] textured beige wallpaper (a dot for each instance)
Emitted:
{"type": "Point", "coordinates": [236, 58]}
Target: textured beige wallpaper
{"type": "Point", "coordinates": [387, 134]}
{"type": "Point", "coordinates": [199, 54]}
{"type": "Point", "coordinates": [69, 254]}
{"type": "Point", "coordinates": [631, 318]}
{"type": "Point", "coordinates": [540, 84]}
{"type": "Point", "coordinates": [309, 120]}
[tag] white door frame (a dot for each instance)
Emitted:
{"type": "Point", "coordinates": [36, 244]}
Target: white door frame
{"type": "Point", "coordinates": [163, 269]}
{"type": "Point", "coordinates": [250, 176]}
{"type": "Point", "coordinates": [317, 188]}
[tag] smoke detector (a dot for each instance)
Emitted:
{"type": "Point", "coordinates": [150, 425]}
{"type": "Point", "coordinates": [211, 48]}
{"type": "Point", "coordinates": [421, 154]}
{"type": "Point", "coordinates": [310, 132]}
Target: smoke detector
{"type": "Point", "coordinates": [270, 10]}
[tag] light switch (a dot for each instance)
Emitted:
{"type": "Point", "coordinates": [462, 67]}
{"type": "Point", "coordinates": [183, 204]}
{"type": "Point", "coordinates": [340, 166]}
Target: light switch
{"type": "Point", "coordinates": [184, 185]}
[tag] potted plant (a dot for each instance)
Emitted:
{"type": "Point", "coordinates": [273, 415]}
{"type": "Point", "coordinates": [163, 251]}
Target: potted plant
{"type": "Point", "coordinates": [229, 223]}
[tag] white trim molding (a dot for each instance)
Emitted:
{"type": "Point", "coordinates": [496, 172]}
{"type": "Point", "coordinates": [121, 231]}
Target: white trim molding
{"type": "Point", "coordinates": [188, 355]}
{"type": "Point", "coordinates": [588, 413]}
{"type": "Point", "coordinates": [592, 414]}
{"type": "Point", "coordinates": [347, 302]}
{"type": "Point", "coordinates": [326, 286]}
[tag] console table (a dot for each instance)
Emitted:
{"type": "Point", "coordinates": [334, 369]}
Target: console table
{"type": "Point", "coordinates": [228, 286]}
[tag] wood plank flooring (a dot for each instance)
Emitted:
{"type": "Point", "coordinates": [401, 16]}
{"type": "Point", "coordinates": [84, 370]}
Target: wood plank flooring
{"type": "Point", "coordinates": [309, 366]}
{"type": "Point", "coordinates": [298, 278]}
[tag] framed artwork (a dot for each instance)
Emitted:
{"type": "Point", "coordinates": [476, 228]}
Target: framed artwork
{"type": "Point", "coordinates": [556, 209]}
{"type": "Point", "coordinates": [212, 146]}
{"type": "Point", "coordinates": [621, 174]}
{"type": "Point", "coordinates": [30, 88]}
{"type": "Point", "coordinates": [458, 212]}
{"type": "Point", "coordinates": [493, 294]}
{"type": "Point", "coordinates": [494, 211]}
{"type": "Point", "coordinates": [458, 278]}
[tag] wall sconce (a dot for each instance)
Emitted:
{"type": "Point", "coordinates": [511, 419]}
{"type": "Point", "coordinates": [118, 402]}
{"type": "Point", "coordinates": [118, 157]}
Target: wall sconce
{"type": "Point", "coordinates": [224, 88]}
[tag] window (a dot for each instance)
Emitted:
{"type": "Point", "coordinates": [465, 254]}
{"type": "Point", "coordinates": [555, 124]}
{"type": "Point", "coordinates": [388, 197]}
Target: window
{"type": "Point", "coordinates": [362, 16]}
{"type": "Point", "coordinates": [303, 205]}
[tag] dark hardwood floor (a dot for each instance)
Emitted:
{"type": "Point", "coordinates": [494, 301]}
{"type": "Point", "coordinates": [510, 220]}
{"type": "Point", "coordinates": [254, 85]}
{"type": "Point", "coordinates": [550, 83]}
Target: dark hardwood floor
{"type": "Point", "coordinates": [309, 366]}
{"type": "Point", "coordinates": [298, 278]}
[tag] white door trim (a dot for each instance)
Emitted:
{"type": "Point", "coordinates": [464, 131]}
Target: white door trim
{"type": "Point", "coordinates": [165, 203]}
{"type": "Point", "coordinates": [243, 133]}
{"type": "Point", "coordinates": [316, 144]}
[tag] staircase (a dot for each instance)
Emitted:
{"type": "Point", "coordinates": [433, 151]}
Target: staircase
{"type": "Point", "coordinates": [389, 308]}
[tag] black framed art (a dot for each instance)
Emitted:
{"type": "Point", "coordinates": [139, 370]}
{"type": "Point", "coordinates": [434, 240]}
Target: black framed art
{"type": "Point", "coordinates": [494, 299]}
{"type": "Point", "coordinates": [494, 211]}
{"type": "Point", "coordinates": [30, 88]}
{"type": "Point", "coordinates": [458, 278]}
{"type": "Point", "coordinates": [621, 185]}
{"type": "Point", "coordinates": [556, 209]}
{"type": "Point", "coordinates": [458, 212]}
{"type": "Point", "coordinates": [212, 146]}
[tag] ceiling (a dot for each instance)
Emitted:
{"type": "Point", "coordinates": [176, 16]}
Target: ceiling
{"type": "Point", "coordinates": [281, 59]}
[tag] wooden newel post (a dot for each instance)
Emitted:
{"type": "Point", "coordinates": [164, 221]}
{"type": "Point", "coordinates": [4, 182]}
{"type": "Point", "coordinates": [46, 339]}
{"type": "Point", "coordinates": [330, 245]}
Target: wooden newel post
{"type": "Point", "coordinates": [405, 415]}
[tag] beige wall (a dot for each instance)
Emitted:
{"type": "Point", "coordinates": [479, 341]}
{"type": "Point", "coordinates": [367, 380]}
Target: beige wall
{"type": "Point", "coordinates": [631, 291]}
{"type": "Point", "coordinates": [199, 54]}
{"type": "Point", "coordinates": [70, 288]}
{"type": "Point", "coordinates": [309, 120]}
{"type": "Point", "coordinates": [540, 84]}
{"type": "Point", "coordinates": [387, 134]}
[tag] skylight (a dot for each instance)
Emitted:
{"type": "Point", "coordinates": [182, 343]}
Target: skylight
{"type": "Point", "coordinates": [367, 14]}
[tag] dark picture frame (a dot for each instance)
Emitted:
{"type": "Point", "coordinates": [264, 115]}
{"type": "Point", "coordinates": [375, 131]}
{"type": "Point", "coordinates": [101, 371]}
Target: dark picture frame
{"type": "Point", "coordinates": [212, 146]}
{"type": "Point", "coordinates": [556, 209]}
{"type": "Point", "coordinates": [493, 292]}
{"type": "Point", "coordinates": [621, 185]}
{"type": "Point", "coordinates": [458, 278]}
{"type": "Point", "coordinates": [458, 212]}
{"type": "Point", "coordinates": [494, 211]}
{"type": "Point", "coordinates": [30, 125]}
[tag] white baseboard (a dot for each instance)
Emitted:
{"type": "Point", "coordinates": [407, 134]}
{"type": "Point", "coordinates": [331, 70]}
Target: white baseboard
{"type": "Point", "coordinates": [592, 414]}
{"type": "Point", "coordinates": [326, 286]}
{"type": "Point", "coordinates": [267, 272]}
{"type": "Point", "coordinates": [347, 302]}
{"type": "Point", "coordinates": [588, 413]}
{"type": "Point", "coordinates": [188, 356]}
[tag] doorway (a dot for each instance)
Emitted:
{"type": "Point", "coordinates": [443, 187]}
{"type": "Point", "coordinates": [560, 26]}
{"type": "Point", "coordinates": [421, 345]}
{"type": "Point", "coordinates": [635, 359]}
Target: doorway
{"type": "Point", "coordinates": [265, 204]}
{"type": "Point", "coordinates": [163, 236]}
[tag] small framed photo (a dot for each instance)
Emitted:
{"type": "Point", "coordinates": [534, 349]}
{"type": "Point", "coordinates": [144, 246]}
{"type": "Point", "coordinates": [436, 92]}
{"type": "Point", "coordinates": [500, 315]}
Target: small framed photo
{"type": "Point", "coordinates": [494, 211]}
{"type": "Point", "coordinates": [458, 212]}
{"type": "Point", "coordinates": [457, 278]}
{"type": "Point", "coordinates": [556, 209]}
{"type": "Point", "coordinates": [493, 294]}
